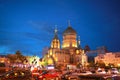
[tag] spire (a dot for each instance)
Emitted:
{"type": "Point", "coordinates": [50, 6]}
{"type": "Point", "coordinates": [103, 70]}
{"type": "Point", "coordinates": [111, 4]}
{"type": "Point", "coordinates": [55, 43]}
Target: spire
{"type": "Point", "coordinates": [56, 29]}
{"type": "Point", "coordinates": [79, 43]}
{"type": "Point", "coordinates": [55, 42]}
{"type": "Point", "coordinates": [69, 23]}
{"type": "Point", "coordinates": [55, 36]}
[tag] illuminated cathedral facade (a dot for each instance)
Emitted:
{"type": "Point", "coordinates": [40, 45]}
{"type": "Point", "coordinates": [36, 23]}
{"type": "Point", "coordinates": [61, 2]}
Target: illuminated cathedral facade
{"type": "Point", "coordinates": [67, 53]}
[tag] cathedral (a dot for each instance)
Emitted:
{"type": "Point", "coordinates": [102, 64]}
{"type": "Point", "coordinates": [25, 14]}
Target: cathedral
{"type": "Point", "coordinates": [67, 53]}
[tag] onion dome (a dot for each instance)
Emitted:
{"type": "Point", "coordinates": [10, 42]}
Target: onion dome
{"type": "Point", "coordinates": [69, 30]}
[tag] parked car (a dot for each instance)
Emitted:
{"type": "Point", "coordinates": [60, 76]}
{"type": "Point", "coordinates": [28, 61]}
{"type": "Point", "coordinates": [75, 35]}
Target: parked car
{"type": "Point", "coordinates": [73, 76]}
{"type": "Point", "coordinates": [15, 75]}
{"type": "Point", "coordinates": [85, 72]}
{"type": "Point", "coordinates": [35, 73]}
{"type": "Point", "coordinates": [100, 71]}
{"type": "Point", "coordinates": [49, 75]}
{"type": "Point", "coordinates": [65, 75]}
{"type": "Point", "coordinates": [99, 77]}
{"type": "Point", "coordinates": [4, 68]}
{"type": "Point", "coordinates": [114, 71]}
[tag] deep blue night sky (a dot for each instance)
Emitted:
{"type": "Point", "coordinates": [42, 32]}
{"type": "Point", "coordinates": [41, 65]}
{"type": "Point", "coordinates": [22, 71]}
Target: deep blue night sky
{"type": "Point", "coordinates": [28, 25]}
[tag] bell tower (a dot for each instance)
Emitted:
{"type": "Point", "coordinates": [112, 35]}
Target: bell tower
{"type": "Point", "coordinates": [55, 42]}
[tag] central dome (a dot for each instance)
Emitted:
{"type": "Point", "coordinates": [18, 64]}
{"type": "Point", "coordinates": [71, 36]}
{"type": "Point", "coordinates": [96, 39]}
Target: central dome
{"type": "Point", "coordinates": [69, 31]}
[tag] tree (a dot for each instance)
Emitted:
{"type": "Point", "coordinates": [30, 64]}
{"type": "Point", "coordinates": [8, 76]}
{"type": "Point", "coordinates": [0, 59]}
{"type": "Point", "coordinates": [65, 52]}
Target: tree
{"type": "Point", "coordinates": [100, 64]}
{"type": "Point", "coordinates": [87, 48]}
{"type": "Point", "coordinates": [91, 64]}
{"type": "Point", "coordinates": [12, 58]}
{"type": "Point", "coordinates": [20, 56]}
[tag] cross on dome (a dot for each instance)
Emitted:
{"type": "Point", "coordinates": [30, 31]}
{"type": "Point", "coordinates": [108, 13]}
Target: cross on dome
{"type": "Point", "coordinates": [56, 29]}
{"type": "Point", "coordinates": [69, 23]}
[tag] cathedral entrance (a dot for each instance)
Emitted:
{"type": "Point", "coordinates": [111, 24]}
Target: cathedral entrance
{"type": "Point", "coordinates": [51, 61]}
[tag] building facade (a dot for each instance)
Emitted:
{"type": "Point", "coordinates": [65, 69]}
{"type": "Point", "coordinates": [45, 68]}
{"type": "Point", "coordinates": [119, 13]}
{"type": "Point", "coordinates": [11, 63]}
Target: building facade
{"type": "Point", "coordinates": [109, 58]}
{"type": "Point", "coordinates": [67, 53]}
{"type": "Point", "coordinates": [4, 59]}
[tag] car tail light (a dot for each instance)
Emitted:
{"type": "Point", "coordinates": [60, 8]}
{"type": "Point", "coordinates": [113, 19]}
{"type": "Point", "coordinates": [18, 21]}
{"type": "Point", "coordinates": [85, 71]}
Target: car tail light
{"type": "Point", "coordinates": [57, 78]}
{"type": "Point", "coordinates": [7, 70]}
{"type": "Point", "coordinates": [40, 76]}
{"type": "Point", "coordinates": [44, 79]}
{"type": "Point", "coordinates": [69, 78]}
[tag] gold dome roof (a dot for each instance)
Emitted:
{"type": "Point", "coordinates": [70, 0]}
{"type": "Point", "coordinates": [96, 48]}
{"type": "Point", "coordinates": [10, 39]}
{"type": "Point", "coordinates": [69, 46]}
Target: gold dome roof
{"type": "Point", "coordinates": [69, 31]}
